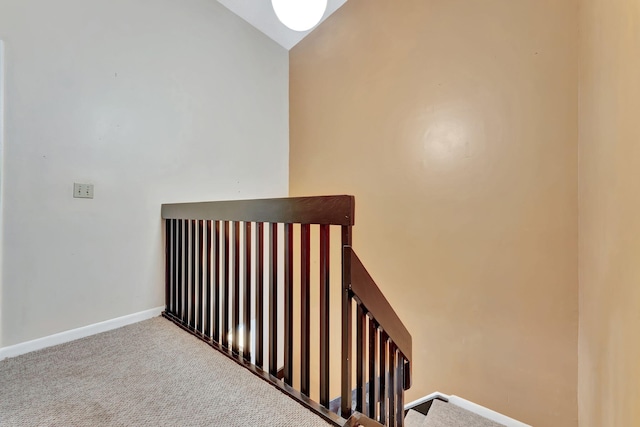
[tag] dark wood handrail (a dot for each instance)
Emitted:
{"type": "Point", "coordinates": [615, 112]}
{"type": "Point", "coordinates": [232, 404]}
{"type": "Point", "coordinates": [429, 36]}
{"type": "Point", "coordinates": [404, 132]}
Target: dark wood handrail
{"type": "Point", "coordinates": [367, 292]}
{"type": "Point", "coordinates": [327, 210]}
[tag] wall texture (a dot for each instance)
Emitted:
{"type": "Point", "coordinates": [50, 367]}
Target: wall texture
{"type": "Point", "coordinates": [153, 102]}
{"type": "Point", "coordinates": [454, 123]}
{"type": "Point", "coordinates": [2, 120]}
{"type": "Point", "coordinates": [609, 348]}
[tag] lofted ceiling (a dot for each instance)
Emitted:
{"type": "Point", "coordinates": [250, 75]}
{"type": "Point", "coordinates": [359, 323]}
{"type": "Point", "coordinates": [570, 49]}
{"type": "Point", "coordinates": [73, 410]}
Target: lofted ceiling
{"type": "Point", "coordinates": [260, 14]}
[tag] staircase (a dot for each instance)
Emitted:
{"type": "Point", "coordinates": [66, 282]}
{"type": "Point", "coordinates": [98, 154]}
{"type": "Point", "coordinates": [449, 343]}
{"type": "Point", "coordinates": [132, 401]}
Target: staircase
{"type": "Point", "coordinates": [240, 277]}
{"type": "Point", "coordinates": [444, 414]}
{"type": "Point", "coordinates": [439, 410]}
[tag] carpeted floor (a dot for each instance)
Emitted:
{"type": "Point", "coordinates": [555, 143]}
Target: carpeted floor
{"type": "Point", "coordinates": [443, 414]}
{"type": "Point", "coordinates": [447, 415]}
{"type": "Point", "coordinates": [148, 374]}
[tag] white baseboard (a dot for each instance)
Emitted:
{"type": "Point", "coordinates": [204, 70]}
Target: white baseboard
{"type": "Point", "coordinates": [432, 396]}
{"type": "Point", "coordinates": [75, 334]}
{"type": "Point", "coordinates": [486, 412]}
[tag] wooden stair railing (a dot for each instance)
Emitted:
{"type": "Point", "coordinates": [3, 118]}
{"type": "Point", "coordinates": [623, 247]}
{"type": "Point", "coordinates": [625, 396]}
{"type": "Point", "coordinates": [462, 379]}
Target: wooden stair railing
{"type": "Point", "coordinates": [383, 348]}
{"type": "Point", "coordinates": [230, 282]}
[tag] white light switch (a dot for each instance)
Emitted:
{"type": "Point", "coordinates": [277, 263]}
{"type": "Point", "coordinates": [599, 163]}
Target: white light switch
{"type": "Point", "coordinates": [82, 191]}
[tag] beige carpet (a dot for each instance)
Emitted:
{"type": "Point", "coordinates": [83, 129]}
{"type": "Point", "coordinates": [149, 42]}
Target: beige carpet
{"type": "Point", "coordinates": [444, 414]}
{"type": "Point", "coordinates": [148, 374]}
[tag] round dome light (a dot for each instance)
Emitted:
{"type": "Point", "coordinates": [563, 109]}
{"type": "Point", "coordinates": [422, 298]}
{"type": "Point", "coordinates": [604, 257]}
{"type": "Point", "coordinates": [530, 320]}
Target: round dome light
{"type": "Point", "coordinates": [299, 15]}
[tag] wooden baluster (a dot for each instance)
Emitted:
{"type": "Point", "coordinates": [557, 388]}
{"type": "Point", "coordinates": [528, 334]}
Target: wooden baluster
{"type": "Point", "coordinates": [407, 374]}
{"type": "Point", "coordinates": [185, 293]}
{"type": "Point", "coordinates": [345, 386]}
{"type": "Point", "coordinates": [216, 282]}
{"type": "Point", "coordinates": [235, 313]}
{"type": "Point", "coordinates": [392, 385]}
{"type": "Point", "coordinates": [399, 391]}
{"type": "Point", "coordinates": [174, 264]}
{"type": "Point", "coordinates": [187, 264]}
{"type": "Point", "coordinates": [324, 315]}
{"type": "Point", "coordinates": [260, 296]}
{"type": "Point", "coordinates": [383, 392]}
{"type": "Point", "coordinates": [246, 346]}
{"type": "Point", "coordinates": [373, 380]}
{"type": "Point", "coordinates": [175, 278]}
{"type": "Point", "coordinates": [360, 358]}
{"type": "Point", "coordinates": [167, 280]}
{"type": "Point", "coordinates": [207, 298]}
{"type": "Point", "coordinates": [224, 310]}
{"type": "Point", "coordinates": [305, 307]}
{"type": "Point", "coordinates": [273, 299]}
{"type": "Point", "coordinates": [179, 276]}
{"type": "Point", "coordinates": [200, 313]}
{"type": "Point", "coordinates": [192, 255]}
{"type": "Point", "coordinates": [288, 304]}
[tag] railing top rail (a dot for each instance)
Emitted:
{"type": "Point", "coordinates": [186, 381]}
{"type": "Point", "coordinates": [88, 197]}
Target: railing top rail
{"type": "Point", "coordinates": [326, 210]}
{"type": "Point", "coordinates": [367, 292]}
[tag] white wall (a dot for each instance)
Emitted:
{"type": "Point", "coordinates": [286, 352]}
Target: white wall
{"type": "Point", "coordinates": [151, 101]}
{"type": "Point", "coordinates": [1, 168]}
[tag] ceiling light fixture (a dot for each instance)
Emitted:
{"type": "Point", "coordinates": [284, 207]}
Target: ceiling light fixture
{"type": "Point", "coordinates": [299, 15]}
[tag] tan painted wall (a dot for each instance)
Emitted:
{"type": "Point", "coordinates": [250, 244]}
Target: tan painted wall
{"type": "Point", "coordinates": [609, 349]}
{"type": "Point", "coordinates": [454, 123]}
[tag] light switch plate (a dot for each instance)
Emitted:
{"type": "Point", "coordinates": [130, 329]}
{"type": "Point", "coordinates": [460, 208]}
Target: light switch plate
{"type": "Point", "coordinates": [82, 191]}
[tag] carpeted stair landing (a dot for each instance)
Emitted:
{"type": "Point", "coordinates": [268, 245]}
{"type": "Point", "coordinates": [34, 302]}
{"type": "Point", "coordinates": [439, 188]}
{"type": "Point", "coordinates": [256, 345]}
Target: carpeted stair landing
{"type": "Point", "coordinates": [443, 414]}
{"type": "Point", "coordinates": [148, 374]}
